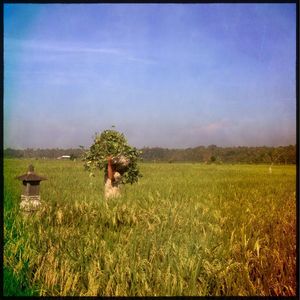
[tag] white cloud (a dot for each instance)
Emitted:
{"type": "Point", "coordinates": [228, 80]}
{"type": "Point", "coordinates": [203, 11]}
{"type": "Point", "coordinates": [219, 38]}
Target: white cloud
{"type": "Point", "coordinates": [47, 46]}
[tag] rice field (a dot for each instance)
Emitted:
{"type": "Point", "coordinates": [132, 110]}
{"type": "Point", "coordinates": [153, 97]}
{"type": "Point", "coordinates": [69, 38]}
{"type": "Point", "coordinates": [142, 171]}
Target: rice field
{"type": "Point", "coordinates": [184, 230]}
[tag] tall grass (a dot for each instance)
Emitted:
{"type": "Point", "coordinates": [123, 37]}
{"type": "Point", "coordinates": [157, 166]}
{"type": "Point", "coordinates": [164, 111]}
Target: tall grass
{"type": "Point", "coordinates": [184, 229]}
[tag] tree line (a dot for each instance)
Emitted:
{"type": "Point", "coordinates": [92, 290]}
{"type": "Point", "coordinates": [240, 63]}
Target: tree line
{"type": "Point", "coordinates": [215, 154]}
{"type": "Point", "coordinates": [42, 153]}
{"type": "Point", "coordinates": [209, 154]}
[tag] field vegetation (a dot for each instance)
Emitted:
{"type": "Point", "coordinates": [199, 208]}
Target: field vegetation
{"type": "Point", "coordinates": [184, 229]}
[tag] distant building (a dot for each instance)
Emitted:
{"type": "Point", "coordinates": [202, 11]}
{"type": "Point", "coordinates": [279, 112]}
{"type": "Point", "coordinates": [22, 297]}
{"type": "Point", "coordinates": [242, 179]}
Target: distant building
{"type": "Point", "coordinates": [64, 157]}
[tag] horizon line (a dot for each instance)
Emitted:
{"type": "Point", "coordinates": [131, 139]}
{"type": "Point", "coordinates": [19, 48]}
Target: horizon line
{"type": "Point", "coordinates": [153, 147]}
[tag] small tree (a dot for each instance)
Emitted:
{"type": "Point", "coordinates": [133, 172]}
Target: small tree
{"type": "Point", "coordinates": [213, 159]}
{"type": "Point", "coordinates": [112, 153]}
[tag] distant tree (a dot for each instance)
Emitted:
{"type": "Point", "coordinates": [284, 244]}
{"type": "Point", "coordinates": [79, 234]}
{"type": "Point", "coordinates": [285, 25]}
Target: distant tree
{"type": "Point", "coordinates": [213, 159]}
{"type": "Point", "coordinates": [11, 153]}
{"type": "Point", "coordinates": [73, 156]}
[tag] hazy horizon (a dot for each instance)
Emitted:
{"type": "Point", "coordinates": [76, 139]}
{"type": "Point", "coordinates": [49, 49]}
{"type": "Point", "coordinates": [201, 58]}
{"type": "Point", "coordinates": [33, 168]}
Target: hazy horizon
{"type": "Point", "coordinates": [166, 75]}
{"type": "Point", "coordinates": [179, 148]}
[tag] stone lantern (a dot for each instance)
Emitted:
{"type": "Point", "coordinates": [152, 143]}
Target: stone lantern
{"type": "Point", "coordinates": [30, 197]}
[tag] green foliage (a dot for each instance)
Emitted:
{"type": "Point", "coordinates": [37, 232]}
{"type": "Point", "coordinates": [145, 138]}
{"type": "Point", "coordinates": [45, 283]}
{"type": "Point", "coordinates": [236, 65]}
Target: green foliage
{"type": "Point", "coordinates": [112, 143]}
{"type": "Point", "coordinates": [13, 286]}
{"type": "Point", "coordinates": [213, 159]}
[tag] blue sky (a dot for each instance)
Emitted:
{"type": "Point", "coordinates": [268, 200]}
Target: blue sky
{"type": "Point", "coordinates": [169, 75]}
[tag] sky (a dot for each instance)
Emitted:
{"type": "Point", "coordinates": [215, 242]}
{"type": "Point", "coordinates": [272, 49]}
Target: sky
{"type": "Point", "coordinates": [165, 75]}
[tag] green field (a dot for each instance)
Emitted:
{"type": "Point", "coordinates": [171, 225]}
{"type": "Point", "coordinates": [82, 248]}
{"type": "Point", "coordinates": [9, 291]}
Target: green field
{"type": "Point", "coordinates": [184, 229]}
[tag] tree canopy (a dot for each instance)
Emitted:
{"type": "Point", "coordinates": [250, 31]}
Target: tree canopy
{"type": "Point", "coordinates": [111, 143]}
